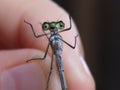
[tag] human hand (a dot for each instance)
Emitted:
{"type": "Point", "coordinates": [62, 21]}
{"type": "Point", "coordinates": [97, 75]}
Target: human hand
{"type": "Point", "coordinates": [18, 44]}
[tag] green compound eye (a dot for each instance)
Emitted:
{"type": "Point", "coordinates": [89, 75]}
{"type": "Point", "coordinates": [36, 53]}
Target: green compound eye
{"type": "Point", "coordinates": [46, 26]}
{"type": "Point", "coordinates": [60, 25]}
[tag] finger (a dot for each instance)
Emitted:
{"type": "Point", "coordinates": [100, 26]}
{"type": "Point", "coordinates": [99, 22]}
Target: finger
{"type": "Point", "coordinates": [9, 23]}
{"type": "Point", "coordinates": [77, 73]}
{"type": "Point", "coordinates": [15, 75]}
{"type": "Point", "coordinates": [35, 12]}
{"type": "Point", "coordinates": [81, 79]}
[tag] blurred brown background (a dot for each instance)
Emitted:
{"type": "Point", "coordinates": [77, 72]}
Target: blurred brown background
{"type": "Point", "coordinates": [99, 26]}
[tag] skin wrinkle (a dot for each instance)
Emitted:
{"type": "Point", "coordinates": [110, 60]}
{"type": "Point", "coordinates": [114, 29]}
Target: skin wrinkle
{"type": "Point", "coordinates": [8, 65]}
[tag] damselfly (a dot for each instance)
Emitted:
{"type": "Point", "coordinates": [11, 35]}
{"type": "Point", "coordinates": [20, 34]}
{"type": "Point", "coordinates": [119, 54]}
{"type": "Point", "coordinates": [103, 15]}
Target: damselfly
{"type": "Point", "coordinates": [56, 43]}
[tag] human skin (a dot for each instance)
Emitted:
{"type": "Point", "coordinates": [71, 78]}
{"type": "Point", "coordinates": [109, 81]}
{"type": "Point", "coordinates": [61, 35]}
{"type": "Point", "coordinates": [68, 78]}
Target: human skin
{"type": "Point", "coordinates": [18, 44]}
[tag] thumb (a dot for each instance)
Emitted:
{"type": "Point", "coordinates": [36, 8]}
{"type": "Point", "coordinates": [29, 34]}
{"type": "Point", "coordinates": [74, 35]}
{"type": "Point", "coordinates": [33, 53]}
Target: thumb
{"type": "Point", "coordinates": [16, 75]}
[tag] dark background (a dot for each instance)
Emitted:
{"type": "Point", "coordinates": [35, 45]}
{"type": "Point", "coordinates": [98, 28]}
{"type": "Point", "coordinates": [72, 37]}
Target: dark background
{"type": "Point", "coordinates": [99, 26]}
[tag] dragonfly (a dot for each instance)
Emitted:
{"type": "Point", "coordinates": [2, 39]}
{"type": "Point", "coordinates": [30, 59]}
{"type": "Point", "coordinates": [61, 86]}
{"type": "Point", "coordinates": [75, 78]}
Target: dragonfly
{"type": "Point", "coordinates": [56, 42]}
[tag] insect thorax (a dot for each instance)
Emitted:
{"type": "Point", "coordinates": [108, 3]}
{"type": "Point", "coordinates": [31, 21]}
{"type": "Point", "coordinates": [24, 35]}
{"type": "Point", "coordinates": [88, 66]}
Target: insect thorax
{"type": "Point", "coordinates": [56, 44]}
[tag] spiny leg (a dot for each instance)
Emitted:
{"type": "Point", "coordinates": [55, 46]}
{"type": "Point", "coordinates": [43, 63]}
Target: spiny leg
{"type": "Point", "coordinates": [51, 67]}
{"type": "Point", "coordinates": [70, 44]}
{"type": "Point", "coordinates": [41, 58]}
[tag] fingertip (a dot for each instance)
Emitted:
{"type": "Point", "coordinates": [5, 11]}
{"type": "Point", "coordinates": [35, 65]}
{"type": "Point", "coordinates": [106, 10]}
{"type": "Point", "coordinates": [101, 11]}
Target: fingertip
{"type": "Point", "coordinates": [77, 76]}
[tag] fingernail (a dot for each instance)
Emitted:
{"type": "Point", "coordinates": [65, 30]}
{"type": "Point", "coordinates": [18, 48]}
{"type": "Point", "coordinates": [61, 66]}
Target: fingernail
{"type": "Point", "coordinates": [23, 77]}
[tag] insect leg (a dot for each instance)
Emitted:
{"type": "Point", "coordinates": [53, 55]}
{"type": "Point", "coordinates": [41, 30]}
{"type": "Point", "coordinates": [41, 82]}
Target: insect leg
{"type": "Point", "coordinates": [51, 67]}
{"type": "Point", "coordinates": [70, 44]}
{"type": "Point", "coordinates": [42, 57]}
{"type": "Point", "coordinates": [37, 36]}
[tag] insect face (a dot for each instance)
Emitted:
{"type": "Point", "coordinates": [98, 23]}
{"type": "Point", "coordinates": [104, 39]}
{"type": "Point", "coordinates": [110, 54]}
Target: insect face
{"type": "Point", "coordinates": [53, 26]}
